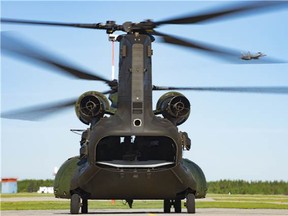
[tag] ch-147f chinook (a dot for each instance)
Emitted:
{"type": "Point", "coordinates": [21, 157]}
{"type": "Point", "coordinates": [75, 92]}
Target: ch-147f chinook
{"type": "Point", "coordinates": [130, 150]}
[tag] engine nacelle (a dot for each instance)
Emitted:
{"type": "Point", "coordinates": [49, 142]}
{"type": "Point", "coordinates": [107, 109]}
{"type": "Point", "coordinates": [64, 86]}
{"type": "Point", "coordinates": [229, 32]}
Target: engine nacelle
{"type": "Point", "coordinates": [174, 106]}
{"type": "Point", "coordinates": [91, 106]}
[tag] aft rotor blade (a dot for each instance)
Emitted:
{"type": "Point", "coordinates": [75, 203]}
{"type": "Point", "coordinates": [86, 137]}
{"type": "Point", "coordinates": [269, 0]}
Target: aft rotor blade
{"type": "Point", "coordinates": [24, 50]}
{"type": "Point", "coordinates": [232, 10]}
{"type": "Point", "coordinates": [38, 112]}
{"type": "Point", "coordinates": [223, 53]}
{"type": "Point", "coordinates": [44, 23]}
{"type": "Point", "coordinates": [261, 90]}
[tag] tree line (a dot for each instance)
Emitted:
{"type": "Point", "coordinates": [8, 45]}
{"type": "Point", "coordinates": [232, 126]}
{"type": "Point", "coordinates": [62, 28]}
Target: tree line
{"type": "Point", "coordinates": [217, 187]}
{"type": "Point", "coordinates": [248, 187]}
{"type": "Point", "coordinates": [32, 185]}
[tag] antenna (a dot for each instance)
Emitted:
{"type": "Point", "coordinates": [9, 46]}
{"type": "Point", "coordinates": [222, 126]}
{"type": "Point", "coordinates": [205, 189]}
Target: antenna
{"type": "Point", "coordinates": [112, 38]}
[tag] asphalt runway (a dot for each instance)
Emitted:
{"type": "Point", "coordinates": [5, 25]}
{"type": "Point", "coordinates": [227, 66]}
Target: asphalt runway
{"type": "Point", "coordinates": [154, 212]}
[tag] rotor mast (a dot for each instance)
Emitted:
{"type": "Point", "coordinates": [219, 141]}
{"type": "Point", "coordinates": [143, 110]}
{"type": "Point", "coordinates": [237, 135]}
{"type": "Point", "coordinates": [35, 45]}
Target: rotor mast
{"type": "Point", "coordinates": [135, 79]}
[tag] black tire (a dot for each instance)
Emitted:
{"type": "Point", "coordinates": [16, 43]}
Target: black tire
{"type": "Point", "coordinates": [167, 206]}
{"type": "Point", "coordinates": [84, 207]}
{"type": "Point", "coordinates": [190, 203]}
{"type": "Point", "coordinates": [75, 204]}
{"type": "Point", "coordinates": [177, 205]}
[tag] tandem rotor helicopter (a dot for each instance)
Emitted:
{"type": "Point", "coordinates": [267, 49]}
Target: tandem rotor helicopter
{"type": "Point", "coordinates": [131, 151]}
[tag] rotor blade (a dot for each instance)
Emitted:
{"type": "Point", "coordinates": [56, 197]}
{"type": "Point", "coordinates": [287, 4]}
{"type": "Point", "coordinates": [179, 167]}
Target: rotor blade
{"type": "Point", "coordinates": [232, 10]}
{"type": "Point", "coordinates": [192, 44]}
{"type": "Point", "coordinates": [261, 90]}
{"type": "Point", "coordinates": [223, 53]}
{"type": "Point", "coordinates": [38, 112]}
{"type": "Point", "coordinates": [24, 50]}
{"type": "Point", "coordinates": [44, 23]}
{"type": "Point", "coordinates": [42, 111]}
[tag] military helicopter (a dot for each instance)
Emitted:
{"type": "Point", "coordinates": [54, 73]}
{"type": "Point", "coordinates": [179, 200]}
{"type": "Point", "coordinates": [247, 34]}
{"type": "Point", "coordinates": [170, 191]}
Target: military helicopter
{"type": "Point", "coordinates": [130, 151]}
{"type": "Point", "coordinates": [251, 56]}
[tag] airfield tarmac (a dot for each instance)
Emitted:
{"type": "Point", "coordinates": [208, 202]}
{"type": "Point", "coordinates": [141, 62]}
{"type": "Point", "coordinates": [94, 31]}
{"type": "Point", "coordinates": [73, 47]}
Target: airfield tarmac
{"type": "Point", "coordinates": [138, 212]}
{"type": "Point", "coordinates": [154, 212]}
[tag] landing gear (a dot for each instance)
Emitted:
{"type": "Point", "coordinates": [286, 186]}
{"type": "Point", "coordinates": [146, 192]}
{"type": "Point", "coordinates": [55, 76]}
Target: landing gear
{"type": "Point", "coordinates": [190, 203]}
{"type": "Point", "coordinates": [169, 203]}
{"type": "Point", "coordinates": [167, 206]}
{"type": "Point", "coordinates": [75, 204]}
{"type": "Point", "coordinates": [84, 207]}
{"type": "Point", "coordinates": [177, 205]}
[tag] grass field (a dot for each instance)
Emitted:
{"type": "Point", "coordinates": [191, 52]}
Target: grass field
{"type": "Point", "coordinates": [34, 201]}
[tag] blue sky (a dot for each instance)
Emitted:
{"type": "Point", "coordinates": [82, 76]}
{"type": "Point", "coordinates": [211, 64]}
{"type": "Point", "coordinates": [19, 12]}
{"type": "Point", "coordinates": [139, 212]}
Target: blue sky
{"type": "Point", "coordinates": [234, 136]}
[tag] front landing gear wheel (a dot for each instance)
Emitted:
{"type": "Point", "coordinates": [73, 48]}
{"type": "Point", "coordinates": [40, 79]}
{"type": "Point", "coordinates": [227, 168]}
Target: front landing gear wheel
{"type": "Point", "coordinates": [75, 204]}
{"type": "Point", "coordinates": [190, 203]}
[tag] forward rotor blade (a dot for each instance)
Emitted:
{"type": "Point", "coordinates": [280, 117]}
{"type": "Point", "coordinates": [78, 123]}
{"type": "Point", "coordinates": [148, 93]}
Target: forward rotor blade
{"type": "Point", "coordinates": [24, 50]}
{"type": "Point", "coordinates": [261, 90]}
{"type": "Point", "coordinates": [230, 55]}
{"type": "Point", "coordinates": [44, 23]}
{"type": "Point", "coordinates": [38, 112]}
{"type": "Point", "coordinates": [233, 10]}
{"type": "Point", "coordinates": [42, 111]}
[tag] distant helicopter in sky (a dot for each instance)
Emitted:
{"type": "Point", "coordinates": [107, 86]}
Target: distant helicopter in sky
{"type": "Point", "coordinates": [250, 56]}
